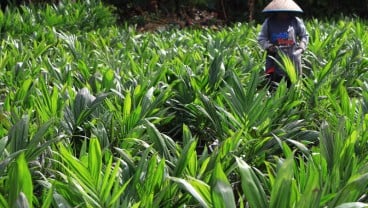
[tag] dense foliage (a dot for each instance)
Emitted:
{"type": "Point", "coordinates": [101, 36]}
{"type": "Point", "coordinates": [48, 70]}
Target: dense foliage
{"type": "Point", "coordinates": [229, 10]}
{"type": "Point", "coordinates": [95, 115]}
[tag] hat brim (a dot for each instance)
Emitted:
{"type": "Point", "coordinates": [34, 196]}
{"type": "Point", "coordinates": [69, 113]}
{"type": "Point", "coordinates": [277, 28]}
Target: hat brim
{"type": "Point", "coordinates": [281, 11]}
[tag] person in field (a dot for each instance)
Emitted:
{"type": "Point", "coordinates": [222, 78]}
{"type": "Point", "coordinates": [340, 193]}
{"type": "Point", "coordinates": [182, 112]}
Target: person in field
{"type": "Point", "coordinates": [282, 31]}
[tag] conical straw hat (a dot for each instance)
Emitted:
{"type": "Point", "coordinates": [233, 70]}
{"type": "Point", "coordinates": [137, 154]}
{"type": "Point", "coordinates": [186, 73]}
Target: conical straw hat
{"type": "Point", "coordinates": [282, 6]}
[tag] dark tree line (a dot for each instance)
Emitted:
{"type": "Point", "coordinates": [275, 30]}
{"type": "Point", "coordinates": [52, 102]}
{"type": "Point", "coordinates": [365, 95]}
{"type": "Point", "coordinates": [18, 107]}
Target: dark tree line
{"type": "Point", "coordinates": [243, 10]}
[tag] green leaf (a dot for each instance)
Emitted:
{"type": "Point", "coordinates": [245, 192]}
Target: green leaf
{"type": "Point", "coordinates": [216, 72]}
{"type": "Point", "coordinates": [329, 146]}
{"type": "Point", "coordinates": [49, 198]}
{"type": "Point", "coordinates": [24, 91]}
{"type": "Point", "coordinates": [300, 146]}
{"type": "Point", "coordinates": [282, 190]}
{"type": "Point", "coordinates": [35, 145]}
{"type": "Point", "coordinates": [74, 167]}
{"type": "Point", "coordinates": [352, 190]}
{"type": "Point", "coordinates": [221, 190]}
{"type": "Point", "coordinates": [198, 189]}
{"type": "Point", "coordinates": [4, 163]}
{"type": "Point", "coordinates": [311, 195]}
{"type": "Point", "coordinates": [118, 192]}
{"type": "Point", "coordinates": [127, 105]}
{"type": "Point", "coordinates": [252, 187]}
{"type": "Point", "coordinates": [18, 135]}
{"type": "Point", "coordinates": [108, 79]}
{"type": "Point", "coordinates": [108, 179]}
{"type": "Point", "coordinates": [81, 104]}
{"type": "Point", "coordinates": [20, 181]}
{"type": "Point", "coordinates": [61, 201]}
{"type": "Point", "coordinates": [289, 67]}
{"type": "Point", "coordinates": [95, 160]}
{"type": "Point", "coordinates": [192, 163]}
{"type": "Point", "coordinates": [85, 104]}
{"type": "Point", "coordinates": [165, 145]}
{"type": "Point", "coordinates": [185, 157]}
{"type": "Point", "coordinates": [154, 175]}
{"type": "Point", "coordinates": [3, 202]}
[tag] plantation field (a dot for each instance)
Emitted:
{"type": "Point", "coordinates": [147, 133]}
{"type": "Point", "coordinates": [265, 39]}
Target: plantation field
{"type": "Point", "coordinates": [96, 114]}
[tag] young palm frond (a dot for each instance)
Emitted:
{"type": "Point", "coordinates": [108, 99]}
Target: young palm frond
{"type": "Point", "coordinates": [176, 118]}
{"type": "Point", "coordinates": [97, 183]}
{"type": "Point", "coordinates": [289, 67]}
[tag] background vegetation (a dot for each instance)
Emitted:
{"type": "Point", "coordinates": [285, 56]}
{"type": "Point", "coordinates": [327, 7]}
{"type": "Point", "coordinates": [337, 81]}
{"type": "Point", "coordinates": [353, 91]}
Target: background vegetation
{"type": "Point", "coordinates": [227, 10]}
{"type": "Point", "coordinates": [95, 114]}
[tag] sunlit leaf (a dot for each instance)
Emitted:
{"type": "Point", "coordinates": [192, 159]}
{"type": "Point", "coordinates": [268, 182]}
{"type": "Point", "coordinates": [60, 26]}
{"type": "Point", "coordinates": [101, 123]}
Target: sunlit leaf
{"type": "Point", "coordinates": [221, 190]}
{"type": "Point", "coordinates": [20, 182]}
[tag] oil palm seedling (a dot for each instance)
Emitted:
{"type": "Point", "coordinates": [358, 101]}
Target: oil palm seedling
{"type": "Point", "coordinates": [95, 114]}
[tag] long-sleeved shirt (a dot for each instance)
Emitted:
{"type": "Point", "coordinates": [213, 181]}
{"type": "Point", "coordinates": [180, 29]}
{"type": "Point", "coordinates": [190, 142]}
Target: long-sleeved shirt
{"type": "Point", "coordinates": [283, 33]}
{"type": "Point", "coordinates": [288, 34]}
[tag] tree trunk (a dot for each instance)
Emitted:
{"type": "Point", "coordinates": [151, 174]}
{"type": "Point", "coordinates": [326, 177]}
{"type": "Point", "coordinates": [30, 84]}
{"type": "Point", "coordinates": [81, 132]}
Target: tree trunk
{"type": "Point", "coordinates": [250, 10]}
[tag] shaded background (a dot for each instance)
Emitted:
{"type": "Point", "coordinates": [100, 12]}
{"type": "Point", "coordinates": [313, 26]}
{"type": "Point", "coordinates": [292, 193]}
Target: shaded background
{"type": "Point", "coordinates": [225, 10]}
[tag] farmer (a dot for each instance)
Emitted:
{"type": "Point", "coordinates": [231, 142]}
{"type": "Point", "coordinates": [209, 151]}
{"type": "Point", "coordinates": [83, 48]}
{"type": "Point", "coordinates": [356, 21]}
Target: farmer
{"type": "Point", "coordinates": [282, 32]}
